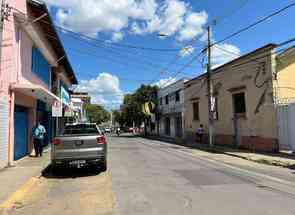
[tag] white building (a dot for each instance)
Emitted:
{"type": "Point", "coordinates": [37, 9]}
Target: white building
{"type": "Point", "coordinates": [79, 110]}
{"type": "Point", "coordinates": [171, 110]}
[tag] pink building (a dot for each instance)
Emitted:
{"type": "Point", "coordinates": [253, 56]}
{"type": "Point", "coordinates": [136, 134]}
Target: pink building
{"type": "Point", "coordinates": [34, 68]}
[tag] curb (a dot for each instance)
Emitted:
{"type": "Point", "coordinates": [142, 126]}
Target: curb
{"type": "Point", "coordinates": [216, 150]}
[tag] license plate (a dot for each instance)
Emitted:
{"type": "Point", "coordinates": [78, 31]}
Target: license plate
{"type": "Point", "coordinates": [78, 162]}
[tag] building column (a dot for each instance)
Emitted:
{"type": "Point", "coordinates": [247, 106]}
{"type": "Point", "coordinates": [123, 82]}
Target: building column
{"type": "Point", "coordinates": [11, 127]}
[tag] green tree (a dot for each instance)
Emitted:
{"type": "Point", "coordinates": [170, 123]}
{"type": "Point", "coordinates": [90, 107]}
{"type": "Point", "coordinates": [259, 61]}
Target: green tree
{"type": "Point", "coordinates": [96, 113]}
{"type": "Point", "coordinates": [131, 109]}
{"type": "Point", "coordinates": [119, 117]}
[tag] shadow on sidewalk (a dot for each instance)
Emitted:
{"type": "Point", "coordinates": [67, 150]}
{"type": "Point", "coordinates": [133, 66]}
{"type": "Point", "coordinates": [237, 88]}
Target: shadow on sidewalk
{"type": "Point", "coordinates": [64, 172]}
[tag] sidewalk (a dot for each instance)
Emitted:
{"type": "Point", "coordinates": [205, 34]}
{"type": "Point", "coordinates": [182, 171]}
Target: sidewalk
{"type": "Point", "coordinates": [279, 159]}
{"type": "Point", "coordinates": [12, 178]}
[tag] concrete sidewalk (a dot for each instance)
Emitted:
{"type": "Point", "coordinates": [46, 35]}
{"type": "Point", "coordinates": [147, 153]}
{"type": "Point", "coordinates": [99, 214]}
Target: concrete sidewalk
{"type": "Point", "coordinates": [12, 178]}
{"type": "Point", "coordinates": [276, 159]}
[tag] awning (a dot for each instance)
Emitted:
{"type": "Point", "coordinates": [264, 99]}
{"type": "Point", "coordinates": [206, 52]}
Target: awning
{"type": "Point", "coordinates": [36, 91]}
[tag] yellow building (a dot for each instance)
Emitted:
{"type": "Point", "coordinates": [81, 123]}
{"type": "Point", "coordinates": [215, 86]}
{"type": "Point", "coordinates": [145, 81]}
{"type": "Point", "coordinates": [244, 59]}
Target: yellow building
{"type": "Point", "coordinates": [247, 91]}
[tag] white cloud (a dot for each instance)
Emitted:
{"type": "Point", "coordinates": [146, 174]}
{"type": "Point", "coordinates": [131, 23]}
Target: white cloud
{"type": "Point", "coordinates": [92, 16]}
{"type": "Point", "coordinates": [165, 82]}
{"type": "Point", "coordinates": [186, 51]}
{"type": "Point", "coordinates": [117, 36]}
{"type": "Point", "coordinates": [223, 53]}
{"type": "Point", "coordinates": [193, 26]}
{"type": "Point", "coordinates": [104, 89]}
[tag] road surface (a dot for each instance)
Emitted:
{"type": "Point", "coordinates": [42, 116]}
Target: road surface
{"type": "Point", "coordinates": [151, 177]}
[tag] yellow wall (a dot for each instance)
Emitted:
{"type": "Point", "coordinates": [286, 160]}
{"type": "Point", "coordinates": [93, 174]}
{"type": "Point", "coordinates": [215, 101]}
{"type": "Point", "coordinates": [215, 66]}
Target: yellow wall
{"type": "Point", "coordinates": [231, 76]}
{"type": "Point", "coordinates": [285, 83]}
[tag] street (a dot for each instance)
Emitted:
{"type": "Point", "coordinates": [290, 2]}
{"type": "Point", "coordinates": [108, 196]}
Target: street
{"type": "Point", "coordinates": [153, 177]}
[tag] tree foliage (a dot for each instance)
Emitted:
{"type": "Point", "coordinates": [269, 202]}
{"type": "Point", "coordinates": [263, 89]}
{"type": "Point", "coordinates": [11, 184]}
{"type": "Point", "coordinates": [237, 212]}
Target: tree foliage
{"type": "Point", "coordinates": [96, 113]}
{"type": "Point", "coordinates": [131, 110]}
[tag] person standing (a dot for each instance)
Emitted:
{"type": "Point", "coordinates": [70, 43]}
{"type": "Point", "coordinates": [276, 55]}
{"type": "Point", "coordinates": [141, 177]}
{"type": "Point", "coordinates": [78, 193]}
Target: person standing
{"type": "Point", "coordinates": [38, 135]}
{"type": "Point", "coordinates": [200, 133]}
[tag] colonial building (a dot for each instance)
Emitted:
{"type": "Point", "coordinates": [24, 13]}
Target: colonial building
{"type": "Point", "coordinates": [246, 94]}
{"type": "Point", "coordinates": [34, 67]}
{"type": "Point", "coordinates": [171, 110]}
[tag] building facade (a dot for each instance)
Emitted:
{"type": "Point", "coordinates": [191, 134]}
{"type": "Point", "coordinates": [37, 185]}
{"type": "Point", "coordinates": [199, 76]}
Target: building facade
{"type": "Point", "coordinates": [171, 110]}
{"type": "Point", "coordinates": [246, 91]}
{"type": "Point", "coordinates": [31, 66]}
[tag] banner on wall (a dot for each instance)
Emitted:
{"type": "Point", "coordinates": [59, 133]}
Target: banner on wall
{"type": "Point", "coordinates": [65, 96]}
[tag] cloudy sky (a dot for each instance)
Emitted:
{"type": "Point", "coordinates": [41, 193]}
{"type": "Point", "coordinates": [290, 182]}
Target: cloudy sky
{"type": "Point", "coordinates": [119, 44]}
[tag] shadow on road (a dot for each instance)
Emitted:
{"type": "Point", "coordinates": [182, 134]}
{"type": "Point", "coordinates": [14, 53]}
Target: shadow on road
{"type": "Point", "coordinates": [63, 172]}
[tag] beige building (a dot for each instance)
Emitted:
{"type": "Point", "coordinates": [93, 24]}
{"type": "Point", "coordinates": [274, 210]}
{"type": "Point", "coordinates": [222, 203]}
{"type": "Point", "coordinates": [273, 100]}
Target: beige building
{"type": "Point", "coordinates": [247, 91]}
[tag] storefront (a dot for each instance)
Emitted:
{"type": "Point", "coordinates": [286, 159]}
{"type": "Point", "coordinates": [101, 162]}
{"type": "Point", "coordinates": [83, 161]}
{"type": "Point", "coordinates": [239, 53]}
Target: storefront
{"type": "Point", "coordinates": [32, 103]}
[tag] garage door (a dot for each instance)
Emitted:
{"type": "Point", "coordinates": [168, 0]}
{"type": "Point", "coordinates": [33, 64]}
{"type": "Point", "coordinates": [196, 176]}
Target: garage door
{"type": "Point", "coordinates": [3, 132]}
{"type": "Point", "coordinates": [20, 132]}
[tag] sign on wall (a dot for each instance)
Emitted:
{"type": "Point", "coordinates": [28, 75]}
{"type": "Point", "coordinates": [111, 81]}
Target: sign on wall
{"type": "Point", "coordinates": [68, 112]}
{"type": "Point", "coordinates": [57, 109]}
{"type": "Point", "coordinates": [65, 96]}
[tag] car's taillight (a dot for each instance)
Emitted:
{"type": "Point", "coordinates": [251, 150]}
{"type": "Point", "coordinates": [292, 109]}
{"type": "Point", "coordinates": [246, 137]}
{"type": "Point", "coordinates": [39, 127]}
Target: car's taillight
{"type": "Point", "coordinates": [56, 141]}
{"type": "Point", "coordinates": [101, 140]}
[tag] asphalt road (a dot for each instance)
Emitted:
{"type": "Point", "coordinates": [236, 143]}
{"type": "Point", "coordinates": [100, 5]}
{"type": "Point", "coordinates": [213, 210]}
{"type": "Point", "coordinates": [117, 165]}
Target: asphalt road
{"type": "Point", "coordinates": [153, 178]}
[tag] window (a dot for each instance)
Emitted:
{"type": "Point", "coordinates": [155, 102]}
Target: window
{"type": "Point", "coordinates": [161, 101]}
{"type": "Point", "coordinates": [167, 100]}
{"type": "Point", "coordinates": [81, 129]}
{"type": "Point", "coordinates": [196, 111]}
{"type": "Point", "coordinates": [40, 66]}
{"type": "Point", "coordinates": [177, 96]}
{"type": "Point", "coordinates": [239, 103]}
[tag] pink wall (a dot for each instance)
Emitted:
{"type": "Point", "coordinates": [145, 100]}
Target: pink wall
{"type": "Point", "coordinates": [16, 54]}
{"type": "Point", "coordinates": [16, 68]}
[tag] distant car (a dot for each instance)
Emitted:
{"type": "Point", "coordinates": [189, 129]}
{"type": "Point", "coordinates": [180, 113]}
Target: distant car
{"type": "Point", "coordinates": [79, 145]}
{"type": "Point", "coordinates": [107, 130]}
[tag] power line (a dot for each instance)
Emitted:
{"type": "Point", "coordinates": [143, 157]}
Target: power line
{"type": "Point", "coordinates": [255, 23]}
{"type": "Point", "coordinates": [150, 64]}
{"type": "Point", "coordinates": [182, 68]}
{"type": "Point", "coordinates": [113, 43]}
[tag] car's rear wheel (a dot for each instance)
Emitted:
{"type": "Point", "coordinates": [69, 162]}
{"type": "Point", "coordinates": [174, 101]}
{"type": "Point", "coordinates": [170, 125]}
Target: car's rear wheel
{"type": "Point", "coordinates": [104, 166]}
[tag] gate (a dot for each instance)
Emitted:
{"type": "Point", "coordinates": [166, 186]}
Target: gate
{"type": "Point", "coordinates": [286, 126]}
{"type": "Point", "coordinates": [3, 132]}
{"type": "Point", "coordinates": [20, 132]}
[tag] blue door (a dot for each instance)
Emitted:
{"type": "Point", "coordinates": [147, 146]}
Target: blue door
{"type": "Point", "coordinates": [20, 132]}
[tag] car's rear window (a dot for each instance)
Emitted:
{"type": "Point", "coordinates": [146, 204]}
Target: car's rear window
{"type": "Point", "coordinates": [81, 129]}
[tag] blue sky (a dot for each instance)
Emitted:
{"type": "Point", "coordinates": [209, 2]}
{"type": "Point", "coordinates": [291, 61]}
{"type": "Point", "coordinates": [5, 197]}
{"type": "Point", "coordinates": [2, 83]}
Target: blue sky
{"type": "Point", "coordinates": [108, 70]}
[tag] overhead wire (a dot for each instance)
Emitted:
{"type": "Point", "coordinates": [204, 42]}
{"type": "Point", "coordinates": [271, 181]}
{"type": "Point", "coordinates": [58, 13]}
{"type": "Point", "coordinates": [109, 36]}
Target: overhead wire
{"type": "Point", "coordinates": [123, 45]}
{"type": "Point", "coordinates": [255, 23]}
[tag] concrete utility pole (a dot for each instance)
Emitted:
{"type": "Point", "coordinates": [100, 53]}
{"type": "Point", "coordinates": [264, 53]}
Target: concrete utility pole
{"type": "Point", "coordinates": [210, 89]}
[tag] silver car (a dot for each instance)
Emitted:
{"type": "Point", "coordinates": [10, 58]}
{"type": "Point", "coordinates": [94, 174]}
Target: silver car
{"type": "Point", "coordinates": [80, 144]}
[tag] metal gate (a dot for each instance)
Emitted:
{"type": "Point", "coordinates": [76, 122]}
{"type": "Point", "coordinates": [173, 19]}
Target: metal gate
{"type": "Point", "coordinates": [286, 125]}
{"type": "Point", "coordinates": [20, 132]}
{"type": "Point", "coordinates": [3, 132]}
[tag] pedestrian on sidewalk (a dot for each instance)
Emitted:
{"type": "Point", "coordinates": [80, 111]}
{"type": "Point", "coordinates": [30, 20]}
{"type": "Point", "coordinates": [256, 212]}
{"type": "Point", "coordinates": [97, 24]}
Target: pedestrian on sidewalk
{"type": "Point", "coordinates": [38, 135]}
{"type": "Point", "coordinates": [200, 133]}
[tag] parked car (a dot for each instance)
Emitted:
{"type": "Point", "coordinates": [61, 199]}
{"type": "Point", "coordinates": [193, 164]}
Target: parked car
{"type": "Point", "coordinates": [80, 144]}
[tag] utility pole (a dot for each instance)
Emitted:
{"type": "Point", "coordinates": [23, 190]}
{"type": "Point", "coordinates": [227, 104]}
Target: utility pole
{"type": "Point", "coordinates": [209, 89]}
